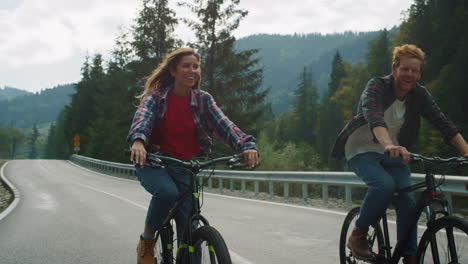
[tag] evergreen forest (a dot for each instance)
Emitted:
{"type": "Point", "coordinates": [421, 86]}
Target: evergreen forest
{"type": "Point", "coordinates": [295, 114]}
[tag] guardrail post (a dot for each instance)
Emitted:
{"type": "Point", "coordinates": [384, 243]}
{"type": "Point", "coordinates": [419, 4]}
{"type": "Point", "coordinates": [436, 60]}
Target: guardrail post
{"type": "Point", "coordinates": [243, 186]}
{"type": "Point", "coordinates": [220, 185]}
{"type": "Point", "coordinates": [286, 190]}
{"type": "Point", "coordinates": [349, 201]}
{"type": "Point", "coordinates": [256, 188]}
{"type": "Point", "coordinates": [325, 193]}
{"type": "Point", "coordinates": [271, 189]}
{"type": "Point", "coordinates": [305, 191]}
{"type": "Point", "coordinates": [231, 185]}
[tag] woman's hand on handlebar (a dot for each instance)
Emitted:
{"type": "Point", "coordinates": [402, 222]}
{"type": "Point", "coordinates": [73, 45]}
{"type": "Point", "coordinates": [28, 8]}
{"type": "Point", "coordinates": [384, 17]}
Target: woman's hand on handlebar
{"type": "Point", "coordinates": [138, 153]}
{"type": "Point", "coordinates": [250, 157]}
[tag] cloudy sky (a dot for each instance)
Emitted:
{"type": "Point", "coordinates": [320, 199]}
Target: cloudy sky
{"type": "Point", "coordinates": [43, 42]}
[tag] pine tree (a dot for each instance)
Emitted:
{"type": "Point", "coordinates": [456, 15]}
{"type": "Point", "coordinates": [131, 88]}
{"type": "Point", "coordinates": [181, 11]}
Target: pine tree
{"type": "Point", "coordinates": [379, 61]}
{"type": "Point", "coordinates": [4, 144]}
{"type": "Point", "coordinates": [49, 149]}
{"type": "Point", "coordinates": [337, 73]}
{"type": "Point", "coordinates": [33, 143]}
{"type": "Point", "coordinates": [82, 110]}
{"type": "Point", "coordinates": [59, 144]}
{"type": "Point", "coordinates": [330, 118]}
{"type": "Point", "coordinates": [17, 137]}
{"type": "Point", "coordinates": [231, 76]}
{"type": "Point", "coordinates": [113, 114]}
{"type": "Point", "coordinates": [305, 110]}
{"type": "Point", "coordinates": [153, 35]}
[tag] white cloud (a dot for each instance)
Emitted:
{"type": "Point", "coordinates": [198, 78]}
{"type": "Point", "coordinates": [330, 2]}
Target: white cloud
{"type": "Point", "coordinates": [53, 34]}
{"type": "Point", "coordinates": [325, 16]}
{"type": "Point", "coordinates": [39, 33]}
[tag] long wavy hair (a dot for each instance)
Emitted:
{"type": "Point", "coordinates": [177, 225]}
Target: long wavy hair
{"type": "Point", "coordinates": [161, 76]}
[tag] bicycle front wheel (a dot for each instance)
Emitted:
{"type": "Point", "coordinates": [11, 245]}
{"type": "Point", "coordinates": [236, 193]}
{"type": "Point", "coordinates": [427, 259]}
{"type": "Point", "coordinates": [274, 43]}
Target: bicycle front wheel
{"type": "Point", "coordinates": [445, 242]}
{"type": "Point", "coordinates": [208, 247]}
{"type": "Point", "coordinates": [374, 236]}
{"type": "Point", "coordinates": [164, 244]}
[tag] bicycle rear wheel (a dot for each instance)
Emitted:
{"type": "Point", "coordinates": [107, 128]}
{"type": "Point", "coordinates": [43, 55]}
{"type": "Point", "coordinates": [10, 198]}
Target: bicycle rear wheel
{"type": "Point", "coordinates": [208, 247]}
{"type": "Point", "coordinates": [445, 242]}
{"type": "Point", "coordinates": [374, 236]}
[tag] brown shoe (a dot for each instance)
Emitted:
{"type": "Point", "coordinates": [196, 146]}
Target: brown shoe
{"type": "Point", "coordinates": [359, 245]}
{"type": "Point", "coordinates": [408, 259]}
{"type": "Point", "coordinates": [145, 251]}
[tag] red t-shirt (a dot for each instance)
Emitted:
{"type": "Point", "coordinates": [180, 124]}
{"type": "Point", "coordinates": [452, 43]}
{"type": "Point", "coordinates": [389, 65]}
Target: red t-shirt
{"type": "Point", "coordinates": [176, 133]}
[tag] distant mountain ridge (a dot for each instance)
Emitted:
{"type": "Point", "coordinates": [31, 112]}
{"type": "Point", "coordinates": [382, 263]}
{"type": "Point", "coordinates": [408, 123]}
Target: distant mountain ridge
{"type": "Point", "coordinates": [38, 108]}
{"type": "Point", "coordinates": [8, 93]}
{"type": "Point", "coordinates": [283, 57]}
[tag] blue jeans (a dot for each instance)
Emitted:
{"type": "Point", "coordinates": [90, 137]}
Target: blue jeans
{"type": "Point", "coordinates": [166, 185]}
{"type": "Point", "coordinates": [384, 176]}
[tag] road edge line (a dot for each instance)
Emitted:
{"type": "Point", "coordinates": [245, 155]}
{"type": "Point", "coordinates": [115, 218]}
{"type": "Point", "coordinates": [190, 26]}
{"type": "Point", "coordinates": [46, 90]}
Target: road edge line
{"type": "Point", "coordinates": [13, 190]}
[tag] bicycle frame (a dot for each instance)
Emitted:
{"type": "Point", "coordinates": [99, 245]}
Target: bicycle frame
{"type": "Point", "coordinates": [424, 203]}
{"type": "Point", "coordinates": [186, 237]}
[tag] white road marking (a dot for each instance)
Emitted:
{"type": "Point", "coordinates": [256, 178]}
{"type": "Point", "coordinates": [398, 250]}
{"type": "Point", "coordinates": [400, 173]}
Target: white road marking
{"type": "Point", "coordinates": [237, 259]}
{"type": "Point", "coordinates": [279, 204]}
{"type": "Point", "coordinates": [111, 194]}
{"type": "Point", "coordinates": [16, 194]}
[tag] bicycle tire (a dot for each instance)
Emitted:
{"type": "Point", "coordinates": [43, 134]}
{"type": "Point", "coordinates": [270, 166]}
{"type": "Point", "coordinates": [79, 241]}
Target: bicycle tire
{"type": "Point", "coordinates": [375, 233]}
{"type": "Point", "coordinates": [209, 247]}
{"type": "Point", "coordinates": [445, 229]}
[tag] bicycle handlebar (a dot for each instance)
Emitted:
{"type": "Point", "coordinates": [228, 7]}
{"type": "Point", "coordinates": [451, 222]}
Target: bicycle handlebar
{"type": "Point", "coordinates": [155, 160]}
{"type": "Point", "coordinates": [460, 161]}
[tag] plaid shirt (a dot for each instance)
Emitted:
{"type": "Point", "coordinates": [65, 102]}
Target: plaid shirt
{"type": "Point", "coordinates": [377, 97]}
{"type": "Point", "coordinates": [207, 116]}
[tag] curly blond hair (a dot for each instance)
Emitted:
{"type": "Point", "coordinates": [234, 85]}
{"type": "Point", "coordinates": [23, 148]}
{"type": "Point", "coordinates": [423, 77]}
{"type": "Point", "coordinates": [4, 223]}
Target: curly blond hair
{"type": "Point", "coordinates": [408, 51]}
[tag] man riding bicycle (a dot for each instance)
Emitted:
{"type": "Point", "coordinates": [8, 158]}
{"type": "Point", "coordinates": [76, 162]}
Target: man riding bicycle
{"type": "Point", "coordinates": [375, 142]}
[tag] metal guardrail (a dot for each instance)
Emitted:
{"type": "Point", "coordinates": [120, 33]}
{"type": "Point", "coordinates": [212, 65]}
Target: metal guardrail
{"type": "Point", "coordinates": [453, 185]}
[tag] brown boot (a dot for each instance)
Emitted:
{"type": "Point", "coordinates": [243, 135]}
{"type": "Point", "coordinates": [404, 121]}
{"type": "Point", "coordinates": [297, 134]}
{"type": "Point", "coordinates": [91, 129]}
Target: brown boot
{"type": "Point", "coordinates": [145, 251]}
{"type": "Point", "coordinates": [359, 245]}
{"type": "Point", "coordinates": [408, 259]}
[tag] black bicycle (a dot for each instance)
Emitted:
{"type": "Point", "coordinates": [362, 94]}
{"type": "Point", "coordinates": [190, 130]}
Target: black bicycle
{"type": "Point", "coordinates": [203, 245]}
{"type": "Point", "coordinates": [445, 239]}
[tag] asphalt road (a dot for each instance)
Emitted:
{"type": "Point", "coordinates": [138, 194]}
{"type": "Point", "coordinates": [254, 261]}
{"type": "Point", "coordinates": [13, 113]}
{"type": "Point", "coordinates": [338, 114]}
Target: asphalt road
{"type": "Point", "coordinates": [68, 214]}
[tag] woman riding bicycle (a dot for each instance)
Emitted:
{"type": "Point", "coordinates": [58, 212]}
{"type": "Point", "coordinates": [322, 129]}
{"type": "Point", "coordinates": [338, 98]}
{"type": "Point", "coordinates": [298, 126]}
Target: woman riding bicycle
{"type": "Point", "coordinates": [375, 142]}
{"type": "Point", "coordinates": [178, 119]}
